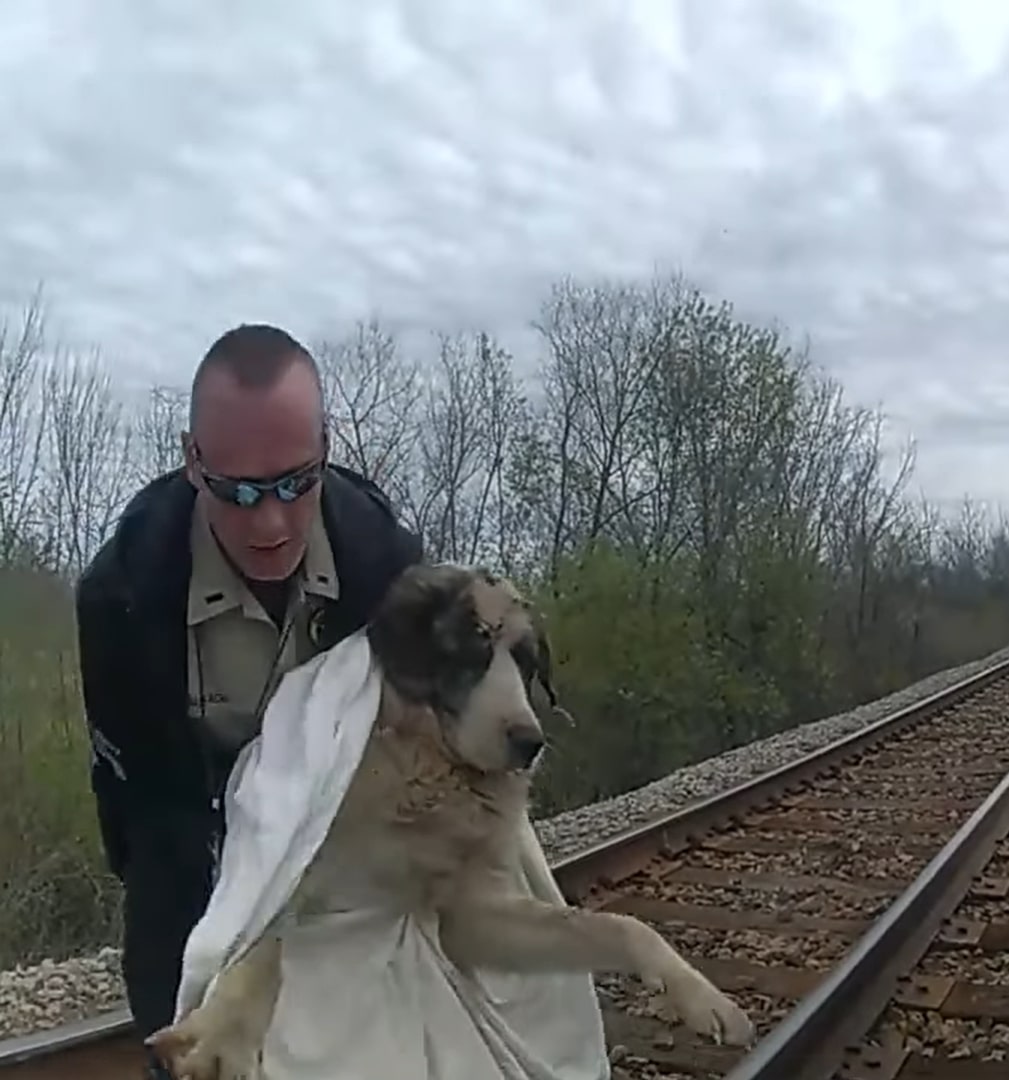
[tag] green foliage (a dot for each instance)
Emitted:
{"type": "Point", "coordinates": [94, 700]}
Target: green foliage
{"type": "Point", "coordinates": [636, 672]}
{"type": "Point", "coordinates": [719, 544]}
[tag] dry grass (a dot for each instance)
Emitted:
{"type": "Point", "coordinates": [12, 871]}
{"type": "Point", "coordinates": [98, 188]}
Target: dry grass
{"type": "Point", "coordinates": [57, 897]}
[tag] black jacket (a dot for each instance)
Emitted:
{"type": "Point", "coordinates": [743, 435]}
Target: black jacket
{"type": "Point", "coordinates": [148, 767]}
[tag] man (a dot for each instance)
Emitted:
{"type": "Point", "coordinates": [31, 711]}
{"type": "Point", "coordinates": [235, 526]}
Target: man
{"type": "Point", "coordinates": [218, 579]}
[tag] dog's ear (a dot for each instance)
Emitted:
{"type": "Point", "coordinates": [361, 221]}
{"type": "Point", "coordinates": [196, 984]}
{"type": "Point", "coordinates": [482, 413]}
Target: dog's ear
{"type": "Point", "coordinates": [401, 630]}
{"type": "Point", "coordinates": [425, 631]}
{"type": "Point", "coordinates": [489, 576]}
{"type": "Point", "coordinates": [417, 599]}
{"type": "Point", "coordinates": [544, 670]}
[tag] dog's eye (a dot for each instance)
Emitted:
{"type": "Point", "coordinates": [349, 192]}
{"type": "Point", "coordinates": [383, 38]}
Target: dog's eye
{"type": "Point", "coordinates": [487, 632]}
{"type": "Point", "coordinates": [524, 655]}
{"type": "Point", "coordinates": [472, 649]}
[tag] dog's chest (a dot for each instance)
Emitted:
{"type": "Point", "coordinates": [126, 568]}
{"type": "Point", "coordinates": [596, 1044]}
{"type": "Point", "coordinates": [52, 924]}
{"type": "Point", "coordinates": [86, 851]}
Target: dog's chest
{"type": "Point", "coordinates": [444, 813]}
{"type": "Point", "coordinates": [411, 826]}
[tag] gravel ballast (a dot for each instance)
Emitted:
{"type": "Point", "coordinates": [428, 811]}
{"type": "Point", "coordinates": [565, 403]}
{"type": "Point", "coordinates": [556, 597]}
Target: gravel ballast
{"type": "Point", "coordinates": [50, 993]}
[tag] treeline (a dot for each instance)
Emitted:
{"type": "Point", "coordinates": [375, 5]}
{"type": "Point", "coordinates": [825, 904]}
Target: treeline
{"type": "Point", "coordinates": [714, 532]}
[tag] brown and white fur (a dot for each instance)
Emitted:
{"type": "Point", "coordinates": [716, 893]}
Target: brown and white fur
{"type": "Point", "coordinates": [437, 815]}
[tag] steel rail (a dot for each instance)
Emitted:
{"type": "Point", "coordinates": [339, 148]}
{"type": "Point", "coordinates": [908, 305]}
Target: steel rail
{"type": "Point", "coordinates": [24, 1048]}
{"type": "Point", "coordinates": [626, 852]}
{"type": "Point", "coordinates": [612, 859]}
{"type": "Point", "coordinates": [809, 1044]}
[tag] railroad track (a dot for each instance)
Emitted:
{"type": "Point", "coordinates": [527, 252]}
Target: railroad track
{"type": "Point", "coordinates": [854, 901]}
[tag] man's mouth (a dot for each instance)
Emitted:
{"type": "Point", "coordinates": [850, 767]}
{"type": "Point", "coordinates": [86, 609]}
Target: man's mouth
{"type": "Point", "coordinates": [265, 549]}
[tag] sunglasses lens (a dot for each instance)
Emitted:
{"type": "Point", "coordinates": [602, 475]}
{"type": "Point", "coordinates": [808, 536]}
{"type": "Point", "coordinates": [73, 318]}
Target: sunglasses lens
{"type": "Point", "coordinates": [235, 492]}
{"type": "Point", "coordinates": [221, 488]}
{"type": "Point", "coordinates": [293, 487]}
{"type": "Point", "coordinates": [246, 495]}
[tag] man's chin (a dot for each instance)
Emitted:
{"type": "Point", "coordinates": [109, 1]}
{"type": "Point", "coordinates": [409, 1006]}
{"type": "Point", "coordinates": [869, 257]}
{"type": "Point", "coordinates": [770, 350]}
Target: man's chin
{"type": "Point", "coordinates": [272, 564]}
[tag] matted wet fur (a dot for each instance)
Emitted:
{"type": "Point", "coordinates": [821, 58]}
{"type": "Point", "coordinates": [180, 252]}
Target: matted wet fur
{"type": "Point", "coordinates": [437, 814]}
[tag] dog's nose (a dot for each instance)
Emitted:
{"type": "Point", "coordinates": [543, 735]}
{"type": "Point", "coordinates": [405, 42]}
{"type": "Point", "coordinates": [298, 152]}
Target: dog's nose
{"type": "Point", "coordinates": [523, 745]}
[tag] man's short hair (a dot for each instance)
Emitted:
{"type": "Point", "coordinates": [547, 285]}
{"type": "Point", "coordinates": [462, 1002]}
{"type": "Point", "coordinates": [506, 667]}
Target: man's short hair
{"type": "Point", "coordinates": [256, 355]}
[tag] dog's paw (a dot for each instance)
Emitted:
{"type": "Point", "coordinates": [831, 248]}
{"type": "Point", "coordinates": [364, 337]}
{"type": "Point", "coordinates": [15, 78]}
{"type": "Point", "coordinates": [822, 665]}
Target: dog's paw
{"type": "Point", "coordinates": [705, 1009]}
{"type": "Point", "coordinates": [203, 1047]}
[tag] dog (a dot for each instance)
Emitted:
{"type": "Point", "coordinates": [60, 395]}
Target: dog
{"type": "Point", "coordinates": [437, 812]}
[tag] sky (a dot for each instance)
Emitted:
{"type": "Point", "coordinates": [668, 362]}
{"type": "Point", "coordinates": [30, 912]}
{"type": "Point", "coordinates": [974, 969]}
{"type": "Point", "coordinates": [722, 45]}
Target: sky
{"type": "Point", "coordinates": [172, 167]}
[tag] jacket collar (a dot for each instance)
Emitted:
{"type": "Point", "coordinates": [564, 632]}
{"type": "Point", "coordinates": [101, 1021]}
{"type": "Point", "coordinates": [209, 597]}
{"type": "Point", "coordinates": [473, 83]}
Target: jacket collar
{"type": "Point", "coordinates": [151, 543]}
{"type": "Point", "coordinates": [215, 586]}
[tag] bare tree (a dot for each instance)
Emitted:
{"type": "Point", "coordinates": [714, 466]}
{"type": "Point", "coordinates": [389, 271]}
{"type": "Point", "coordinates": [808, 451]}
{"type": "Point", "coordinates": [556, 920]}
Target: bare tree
{"type": "Point", "coordinates": [450, 451]}
{"type": "Point", "coordinates": [371, 396]}
{"type": "Point", "coordinates": [88, 474]}
{"type": "Point", "coordinates": [157, 441]}
{"type": "Point", "coordinates": [606, 345]}
{"type": "Point", "coordinates": [868, 510]}
{"type": "Point", "coordinates": [22, 430]}
{"type": "Point", "coordinates": [454, 488]}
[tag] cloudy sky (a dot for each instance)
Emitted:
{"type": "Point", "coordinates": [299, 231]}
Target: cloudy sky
{"type": "Point", "coordinates": [170, 167]}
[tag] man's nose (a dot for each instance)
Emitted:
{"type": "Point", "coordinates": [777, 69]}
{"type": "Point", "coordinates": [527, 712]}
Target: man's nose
{"type": "Point", "coordinates": [269, 518]}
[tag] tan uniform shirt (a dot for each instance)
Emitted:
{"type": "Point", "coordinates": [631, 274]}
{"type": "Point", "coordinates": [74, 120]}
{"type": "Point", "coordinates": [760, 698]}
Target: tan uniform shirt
{"type": "Point", "coordinates": [237, 654]}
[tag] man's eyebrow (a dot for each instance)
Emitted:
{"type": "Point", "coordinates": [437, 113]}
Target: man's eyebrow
{"type": "Point", "coordinates": [310, 463]}
{"type": "Point", "coordinates": [276, 476]}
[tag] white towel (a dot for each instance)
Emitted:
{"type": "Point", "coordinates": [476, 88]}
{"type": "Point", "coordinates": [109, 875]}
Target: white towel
{"type": "Point", "coordinates": [367, 993]}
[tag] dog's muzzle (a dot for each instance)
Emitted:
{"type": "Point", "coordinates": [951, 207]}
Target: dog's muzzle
{"type": "Point", "coordinates": [524, 748]}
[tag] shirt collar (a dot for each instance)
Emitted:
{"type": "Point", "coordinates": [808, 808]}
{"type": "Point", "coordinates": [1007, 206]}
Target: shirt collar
{"type": "Point", "coordinates": [215, 587]}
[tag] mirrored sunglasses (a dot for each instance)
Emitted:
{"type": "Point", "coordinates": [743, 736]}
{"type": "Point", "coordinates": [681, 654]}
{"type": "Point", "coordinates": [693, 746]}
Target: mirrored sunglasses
{"type": "Point", "coordinates": [248, 493]}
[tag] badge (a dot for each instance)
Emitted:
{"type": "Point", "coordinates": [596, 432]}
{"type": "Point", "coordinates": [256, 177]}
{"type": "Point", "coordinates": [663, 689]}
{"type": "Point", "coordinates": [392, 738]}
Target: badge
{"type": "Point", "coordinates": [317, 627]}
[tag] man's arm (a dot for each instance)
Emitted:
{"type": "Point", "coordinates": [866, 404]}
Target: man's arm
{"type": "Point", "coordinates": [104, 669]}
{"type": "Point", "coordinates": [155, 842]}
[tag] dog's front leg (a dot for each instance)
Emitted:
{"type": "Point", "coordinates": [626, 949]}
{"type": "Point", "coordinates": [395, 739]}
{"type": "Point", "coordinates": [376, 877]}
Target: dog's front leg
{"type": "Point", "coordinates": [523, 935]}
{"type": "Point", "coordinates": [223, 1038]}
{"type": "Point", "coordinates": [539, 877]}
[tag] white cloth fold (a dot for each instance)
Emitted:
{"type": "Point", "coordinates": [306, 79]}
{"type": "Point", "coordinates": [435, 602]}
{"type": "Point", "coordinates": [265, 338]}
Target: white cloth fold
{"type": "Point", "coordinates": [367, 993]}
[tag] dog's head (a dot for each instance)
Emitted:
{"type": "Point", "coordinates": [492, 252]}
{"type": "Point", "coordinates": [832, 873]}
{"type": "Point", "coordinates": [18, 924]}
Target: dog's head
{"type": "Point", "coordinates": [463, 643]}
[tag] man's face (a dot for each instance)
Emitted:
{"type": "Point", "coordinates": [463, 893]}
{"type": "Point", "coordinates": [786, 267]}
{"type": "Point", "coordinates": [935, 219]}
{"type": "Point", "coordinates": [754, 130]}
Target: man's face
{"type": "Point", "coordinates": [258, 434]}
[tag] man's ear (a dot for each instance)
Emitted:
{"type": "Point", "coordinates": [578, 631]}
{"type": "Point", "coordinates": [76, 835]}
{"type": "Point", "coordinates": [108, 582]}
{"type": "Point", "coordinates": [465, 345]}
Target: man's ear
{"type": "Point", "coordinates": [189, 457]}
